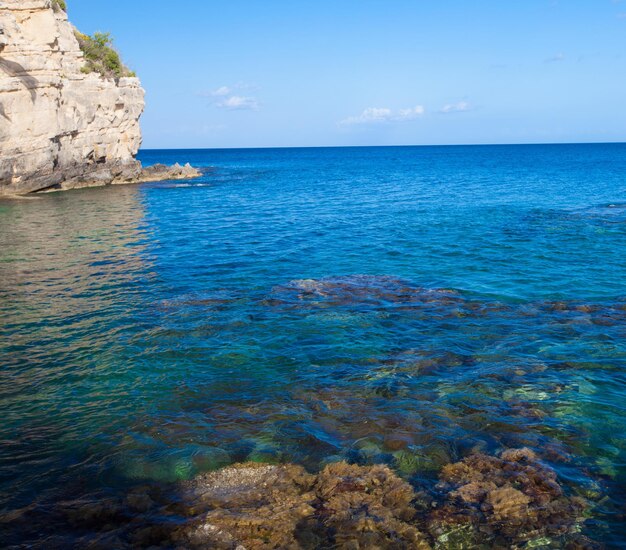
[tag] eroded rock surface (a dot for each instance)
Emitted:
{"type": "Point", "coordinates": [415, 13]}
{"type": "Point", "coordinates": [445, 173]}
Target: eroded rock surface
{"type": "Point", "coordinates": [61, 128]}
{"type": "Point", "coordinates": [58, 125]}
{"type": "Point", "coordinates": [257, 506]}
{"type": "Point", "coordinates": [374, 290]}
{"type": "Point", "coordinates": [513, 497]}
{"type": "Point", "coordinates": [367, 507]}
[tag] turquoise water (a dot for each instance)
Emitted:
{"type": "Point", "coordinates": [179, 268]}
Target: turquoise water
{"type": "Point", "coordinates": [307, 305]}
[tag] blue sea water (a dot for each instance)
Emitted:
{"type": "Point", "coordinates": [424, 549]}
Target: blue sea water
{"type": "Point", "coordinates": [300, 305]}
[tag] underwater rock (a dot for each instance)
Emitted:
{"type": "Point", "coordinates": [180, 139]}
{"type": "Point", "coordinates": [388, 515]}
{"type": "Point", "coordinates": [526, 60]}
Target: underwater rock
{"type": "Point", "coordinates": [514, 496]}
{"type": "Point", "coordinates": [89, 513]}
{"type": "Point", "coordinates": [367, 507]}
{"type": "Point", "coordinates": [139, 501]}
{"type": "Point", "coordinates": [354, 289]}
{"type": "Point", "coordinates": [258, 506]}
{"type": "Point", "coordinates": [255, 505]}
{"type": "Point", "coordinates": [511, 501]}
{"type": "Point", "coordinates": [397, 441]}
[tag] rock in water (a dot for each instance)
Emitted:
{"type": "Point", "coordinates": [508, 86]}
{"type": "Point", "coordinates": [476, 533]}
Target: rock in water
{"type": "Point", "coordinates": [511, 501]}
{"type": "Point", "coordinates": [367, 507]}
{"type": "Point", "coordinates": [161, 172]}
{"type": "Point", "coordinates": [514, 497]}
{"type": "Point", "coordinates": [260, 506]}
{"type": "Point", "coordinates": [253, 505]}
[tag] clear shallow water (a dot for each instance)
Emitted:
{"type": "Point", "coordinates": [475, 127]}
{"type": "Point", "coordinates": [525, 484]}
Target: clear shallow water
{"type": "Point", "coordinates": [398, 305]}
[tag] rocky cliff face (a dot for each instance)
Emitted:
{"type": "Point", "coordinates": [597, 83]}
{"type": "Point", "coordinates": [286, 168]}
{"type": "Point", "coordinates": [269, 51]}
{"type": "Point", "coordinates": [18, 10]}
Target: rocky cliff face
{"type": "Point", "coordinates": [59, 127]}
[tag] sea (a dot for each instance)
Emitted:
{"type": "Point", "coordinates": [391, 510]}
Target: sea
{"type": "Point", "coordinates": [301, 305]}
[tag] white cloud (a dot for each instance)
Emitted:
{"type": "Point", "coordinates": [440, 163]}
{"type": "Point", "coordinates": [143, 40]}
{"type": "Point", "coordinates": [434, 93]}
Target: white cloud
{"type": "Point", "coordinates": [408, 114]}
{"type": "Point", "coordinates": [382, 114]}
{"type": "Point", "coordinates": [556, 58]}
{"type": "Point", "coordinates": [371, 114]}
{"type": "Point", "coordinates": [239, 103]}
{"type": "Point", "coordinates": [232, 98]}
{"type": "Point", "coordinates": [460, 107]}
{"type": "Point", "coordinates": [221, 91]}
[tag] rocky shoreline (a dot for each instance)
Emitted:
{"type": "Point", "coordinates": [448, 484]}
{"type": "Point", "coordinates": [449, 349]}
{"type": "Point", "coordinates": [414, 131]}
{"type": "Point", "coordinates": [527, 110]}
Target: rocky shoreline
{"type": "Point", "coordinates": [155, 173]}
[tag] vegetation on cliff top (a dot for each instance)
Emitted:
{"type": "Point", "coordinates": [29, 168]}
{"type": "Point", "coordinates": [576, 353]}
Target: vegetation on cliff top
{"type": "Point", "coordinates": [101, 57]}
{"type": "Point", "coordinates": [59, 5]}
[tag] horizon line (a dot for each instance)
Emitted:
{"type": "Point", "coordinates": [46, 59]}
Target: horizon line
{"type": "Point", "coordinates": [252, 148]}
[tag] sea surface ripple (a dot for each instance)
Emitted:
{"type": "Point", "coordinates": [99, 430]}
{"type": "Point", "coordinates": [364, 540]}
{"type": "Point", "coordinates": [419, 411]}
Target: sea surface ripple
{"type": "Point", "coordinates": [403, 305]}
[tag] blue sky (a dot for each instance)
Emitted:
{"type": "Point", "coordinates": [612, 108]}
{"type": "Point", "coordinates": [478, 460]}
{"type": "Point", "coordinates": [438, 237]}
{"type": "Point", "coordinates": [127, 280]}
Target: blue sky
{"type": "Point", "coordinates": [251, 73]}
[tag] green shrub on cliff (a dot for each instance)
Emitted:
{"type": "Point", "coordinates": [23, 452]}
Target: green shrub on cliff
{"type": "Point", "coordinates": [59, 5]}
{"type": "Point", "coordinates": [100, 56]}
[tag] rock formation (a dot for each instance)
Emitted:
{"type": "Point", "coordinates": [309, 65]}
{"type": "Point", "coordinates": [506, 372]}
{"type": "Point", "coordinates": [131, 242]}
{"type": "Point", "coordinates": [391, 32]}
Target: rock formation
{"type": "Point", "coordinates": [508, 501]}
{"type": "Point", "coordinates": [61, 127]}
{"type": "Point", "coordinates": [160, 172]}
{"type": "Point", "coordinates": [260, 506]}
{"type": "Point", "coordinates": [513, 497]}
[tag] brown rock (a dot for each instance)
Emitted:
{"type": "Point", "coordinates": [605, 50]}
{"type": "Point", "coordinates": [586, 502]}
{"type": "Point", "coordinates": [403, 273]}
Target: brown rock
{"type": "Point", "coordinates": [397, 441]}
{"type": "Point", "coordinates": [258, 506]}
{"type": "Point", "coordinates": [161, 172]}
{"type": "Point", "coordinates": [507, 504]}
{"type": "Point", "coordinates": [513, 496]}
{"type": "Point", "coordinates": [367, 507]}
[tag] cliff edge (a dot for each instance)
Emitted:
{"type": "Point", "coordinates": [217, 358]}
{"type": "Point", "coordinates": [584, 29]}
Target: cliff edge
{"type": "Point", "coordinates": [61, 126]}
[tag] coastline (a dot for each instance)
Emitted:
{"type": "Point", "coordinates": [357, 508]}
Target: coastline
{"type": "Point", "coordinates": [154, 173]}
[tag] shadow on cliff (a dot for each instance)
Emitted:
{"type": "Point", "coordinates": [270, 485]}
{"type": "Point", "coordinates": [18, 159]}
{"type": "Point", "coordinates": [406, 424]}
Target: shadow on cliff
{"type": "Point", "coordinates": [16, 70]}
{"type": "Point", "coordinates": [4, 114]}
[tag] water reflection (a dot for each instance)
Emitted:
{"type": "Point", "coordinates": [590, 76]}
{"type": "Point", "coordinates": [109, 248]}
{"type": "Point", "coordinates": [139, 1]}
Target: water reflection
{"type": "Point", "coordinates": [73, 267]}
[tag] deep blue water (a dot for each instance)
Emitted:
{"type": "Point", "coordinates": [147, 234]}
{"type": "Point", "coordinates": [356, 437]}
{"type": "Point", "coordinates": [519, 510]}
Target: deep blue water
{"type": "Point", "coordinates": [301, 304]}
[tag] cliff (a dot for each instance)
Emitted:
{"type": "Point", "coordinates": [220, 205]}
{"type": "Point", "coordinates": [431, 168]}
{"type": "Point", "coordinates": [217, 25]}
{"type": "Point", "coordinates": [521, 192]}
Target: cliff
{"type": "Point", "coordinates": [61, 126]}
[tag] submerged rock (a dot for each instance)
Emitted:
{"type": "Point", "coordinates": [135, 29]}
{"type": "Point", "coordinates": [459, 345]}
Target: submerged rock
{"type": "Point", "coordinates": [257, 506]}
{"type": "Point", "coordinates": [510, 501]}
{"type": "Point", "coordinates": [367, 507]}
{"type": "Point", "coordinates": [513, 496]}
{"type": "Point", "coordinates": [374, 290]}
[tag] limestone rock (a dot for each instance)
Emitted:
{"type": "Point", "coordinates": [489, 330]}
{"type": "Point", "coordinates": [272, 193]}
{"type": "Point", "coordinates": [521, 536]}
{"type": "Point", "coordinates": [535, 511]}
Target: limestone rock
{"type": "Point", "coordinates": [59, 126]}
{"type": "Point", "coordinates": [367, 507]}
{"type": "Point", "coordinates": [511, 501]}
